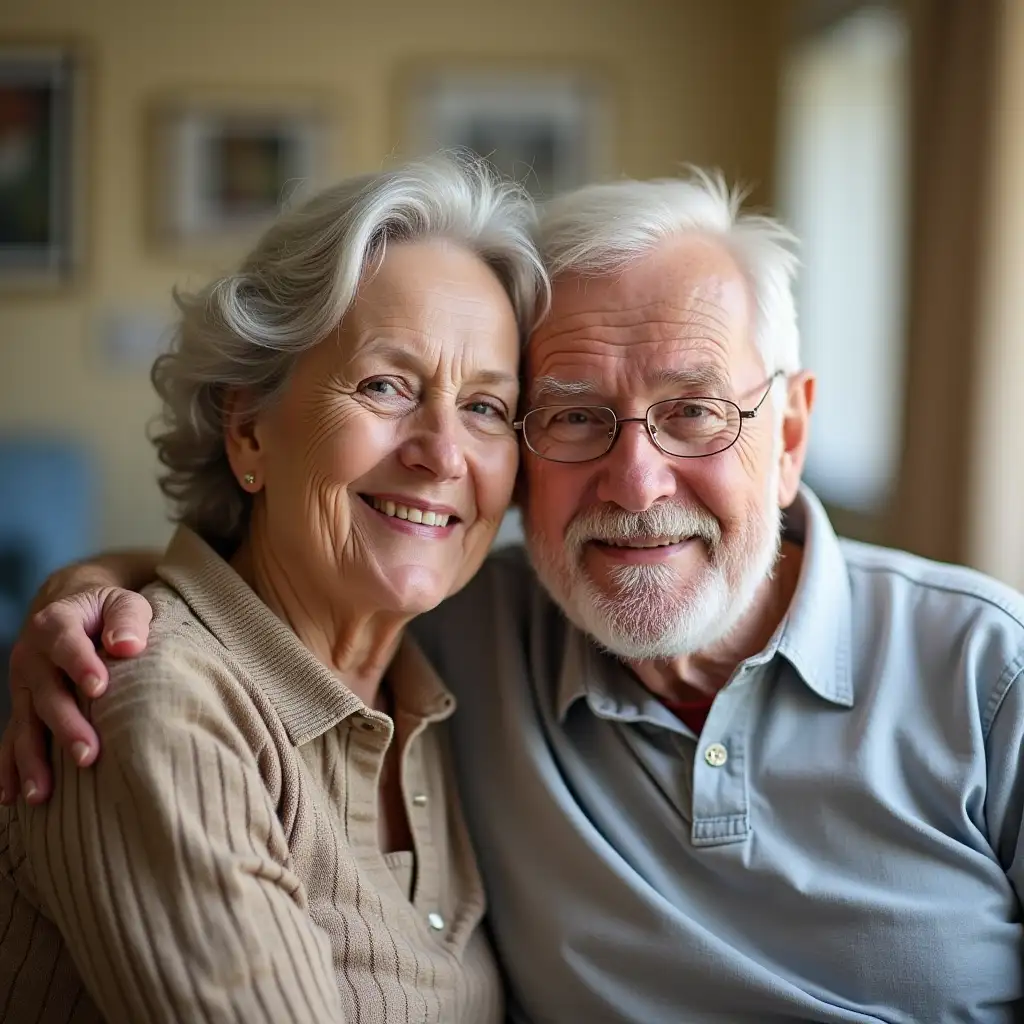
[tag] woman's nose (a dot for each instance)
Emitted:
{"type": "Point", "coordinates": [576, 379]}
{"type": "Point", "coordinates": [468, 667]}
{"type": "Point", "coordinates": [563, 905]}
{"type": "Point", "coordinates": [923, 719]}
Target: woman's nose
{"type": "Point", "coordinates": [436, 444]}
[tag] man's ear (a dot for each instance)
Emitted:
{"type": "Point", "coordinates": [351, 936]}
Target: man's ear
{"type": "Point", "coordinates": [242, 441]}
{"type": "Point", "coordinates": [519, 489]}
{"type": "Point", "coordinates": [796, 423]}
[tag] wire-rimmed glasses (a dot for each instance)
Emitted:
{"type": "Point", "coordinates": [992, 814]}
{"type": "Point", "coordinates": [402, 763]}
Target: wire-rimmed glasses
{"type": "Point", "coordinates": [687, 428]}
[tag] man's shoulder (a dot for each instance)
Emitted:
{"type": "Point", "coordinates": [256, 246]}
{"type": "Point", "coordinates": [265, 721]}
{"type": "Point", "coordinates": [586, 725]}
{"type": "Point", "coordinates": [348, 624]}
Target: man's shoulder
{"type": "Point", "coordinates": [509, 563]}
{"type": "Point", "coordinates": [947, 621]}
{"type": "Point", "coordinates": [497, 606]}
{"type": "Point", "coordinates": [933, 588]}
{"type": "Point", "coordinates": [505, 586]}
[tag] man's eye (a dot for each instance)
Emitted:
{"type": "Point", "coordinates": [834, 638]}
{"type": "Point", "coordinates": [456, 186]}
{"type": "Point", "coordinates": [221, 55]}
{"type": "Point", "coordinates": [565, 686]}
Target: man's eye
{"type": "Point", "coordinates": [573, 417]}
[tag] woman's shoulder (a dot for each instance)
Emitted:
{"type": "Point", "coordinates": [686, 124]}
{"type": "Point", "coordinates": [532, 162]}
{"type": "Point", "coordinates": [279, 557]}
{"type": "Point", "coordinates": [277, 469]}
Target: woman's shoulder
{"type": "Point", "coordinates": [185, 677]}
{"type": "Point", "coordinates": [179, 643]}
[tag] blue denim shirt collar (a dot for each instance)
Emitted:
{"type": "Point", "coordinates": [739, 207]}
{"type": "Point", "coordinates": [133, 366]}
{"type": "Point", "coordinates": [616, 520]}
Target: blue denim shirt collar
{"type": "Point", "coordinates": [815, 636]}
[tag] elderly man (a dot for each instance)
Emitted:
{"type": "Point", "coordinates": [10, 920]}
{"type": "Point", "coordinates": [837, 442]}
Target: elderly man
{"type": "Point", "coordinates": [719, 765]}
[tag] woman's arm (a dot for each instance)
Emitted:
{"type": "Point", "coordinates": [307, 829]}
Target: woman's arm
{"type": "Point", "coordinates": [166, 868]}
{"type": "Point", "coordinates": [75, 605]}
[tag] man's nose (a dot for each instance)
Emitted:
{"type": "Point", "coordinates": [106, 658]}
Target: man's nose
{"type": "Point", "coordinates": [636, 473]}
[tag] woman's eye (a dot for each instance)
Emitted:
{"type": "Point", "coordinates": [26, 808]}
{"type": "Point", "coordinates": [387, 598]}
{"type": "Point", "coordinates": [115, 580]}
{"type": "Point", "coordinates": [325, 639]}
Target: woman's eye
{"type": "Point", "coordinates": [381, 387]}
{"type": "Point", "coordinates": [485, 409]}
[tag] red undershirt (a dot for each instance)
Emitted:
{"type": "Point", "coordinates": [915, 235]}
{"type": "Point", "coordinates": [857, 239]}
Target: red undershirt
{"type": "Point", "coordinates": [693, 713]}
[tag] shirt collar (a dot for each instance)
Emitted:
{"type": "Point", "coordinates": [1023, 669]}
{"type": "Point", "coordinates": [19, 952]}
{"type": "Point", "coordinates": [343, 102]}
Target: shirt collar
{"type": "Point", "coordinates": [309, 698]}
{"type": "Point", "coordinates": [814, 637]}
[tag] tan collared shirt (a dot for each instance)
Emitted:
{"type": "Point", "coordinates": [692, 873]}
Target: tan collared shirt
{"type": "Point", "coordinates": [221, 860]}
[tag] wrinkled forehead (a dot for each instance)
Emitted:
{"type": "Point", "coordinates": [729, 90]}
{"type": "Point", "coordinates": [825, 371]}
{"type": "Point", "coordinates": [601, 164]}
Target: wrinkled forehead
{"type": "Point", "coordinates": [686, 306]}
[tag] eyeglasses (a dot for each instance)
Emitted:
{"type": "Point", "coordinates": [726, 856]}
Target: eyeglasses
{"type": "Point", "coordinates": [688, 428]}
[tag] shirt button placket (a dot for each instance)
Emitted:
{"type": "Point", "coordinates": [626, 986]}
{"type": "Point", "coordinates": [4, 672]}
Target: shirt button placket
{"type": "Point", "coordinates": [715, 755]}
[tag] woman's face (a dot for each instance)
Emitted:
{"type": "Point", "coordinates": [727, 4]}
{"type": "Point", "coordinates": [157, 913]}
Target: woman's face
{"type": "Point", "coordinates": [388, 462]}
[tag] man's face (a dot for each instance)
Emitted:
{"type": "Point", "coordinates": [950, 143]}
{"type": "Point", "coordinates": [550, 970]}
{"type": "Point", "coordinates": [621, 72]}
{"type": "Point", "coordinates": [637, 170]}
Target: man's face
{"type": "Point", "coordinates": [654, 555]}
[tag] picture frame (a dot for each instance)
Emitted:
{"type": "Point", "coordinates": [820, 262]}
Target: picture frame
{"type": "Point", "coordinates": [548, 128]}
{"type": "Point", "coordinates": [222, 166]}
{"type": "Point", "coordinates": [41, 165]}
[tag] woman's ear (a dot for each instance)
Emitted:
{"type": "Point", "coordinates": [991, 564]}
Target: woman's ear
{"type": "Point", "coordinates": [242, 442]}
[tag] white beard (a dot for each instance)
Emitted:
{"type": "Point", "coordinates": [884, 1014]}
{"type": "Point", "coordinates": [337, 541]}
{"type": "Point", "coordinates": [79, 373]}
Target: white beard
{"type": "Point", "coordinates": [653, 612]}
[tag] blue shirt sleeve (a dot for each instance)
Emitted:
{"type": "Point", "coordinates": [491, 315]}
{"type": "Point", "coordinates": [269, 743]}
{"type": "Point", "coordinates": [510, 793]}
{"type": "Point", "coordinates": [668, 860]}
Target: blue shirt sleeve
{"type": "Point", "coordinates": [1004, 804]}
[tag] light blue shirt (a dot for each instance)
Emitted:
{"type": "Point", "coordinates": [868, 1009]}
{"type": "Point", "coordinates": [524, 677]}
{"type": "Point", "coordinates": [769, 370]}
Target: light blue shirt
{"type": "Point", "coordinates": [842, 842]}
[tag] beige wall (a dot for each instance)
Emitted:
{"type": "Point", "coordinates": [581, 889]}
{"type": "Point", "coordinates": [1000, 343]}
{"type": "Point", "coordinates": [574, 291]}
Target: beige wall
{"type": "Point", "coordinates": [996, 479]}
{"type": "Point", "coordinates": [695, 81]}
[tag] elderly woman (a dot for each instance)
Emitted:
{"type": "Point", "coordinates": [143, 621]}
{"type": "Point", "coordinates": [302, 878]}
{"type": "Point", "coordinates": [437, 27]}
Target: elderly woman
{"type": "Point", "coordinates": [272, 834]}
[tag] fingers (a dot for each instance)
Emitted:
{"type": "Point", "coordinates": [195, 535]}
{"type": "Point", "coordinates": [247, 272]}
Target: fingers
{"type": "Point", "coordinates": [126, 617]}
{"type": "Point", "coordinates": [30, 756]}
{"type": "Point", "coordinates": [56, 708]}
{"type": "Point", "coordinates": [10, 780]}
{"type": "Point", "coordinates": [55, 643]}
{"type": "Point", "coordinates": [60, 632]}
{"type": "Point", "coordinates": [42, 700]}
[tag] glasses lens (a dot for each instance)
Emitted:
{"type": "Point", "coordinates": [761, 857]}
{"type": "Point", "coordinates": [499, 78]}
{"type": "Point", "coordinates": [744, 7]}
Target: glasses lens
{"type": "Point", "coordinates": [693, 427]}
{"type": "Point", "coordinates": [569, 433]}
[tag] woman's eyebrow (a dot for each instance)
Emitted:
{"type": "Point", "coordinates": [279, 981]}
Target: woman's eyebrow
{"type": "Point", "coordinates": [498, 377]}
{"type": "Point", "coordinates": [402, 356]}
{"type": "Point", "coordinates": [399, 354]}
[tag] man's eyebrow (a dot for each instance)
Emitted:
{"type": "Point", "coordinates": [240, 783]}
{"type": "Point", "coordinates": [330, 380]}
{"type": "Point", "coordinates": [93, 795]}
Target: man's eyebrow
{"type": "Point", "coordinates": [709, 379]}
{"type": "Point", "coordinates": [546, 389]}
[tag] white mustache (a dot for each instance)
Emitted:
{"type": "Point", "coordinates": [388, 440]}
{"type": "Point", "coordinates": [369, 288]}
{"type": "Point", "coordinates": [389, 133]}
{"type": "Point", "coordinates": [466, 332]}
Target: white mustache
{"type": "Point", "coordinates": [665, 520]}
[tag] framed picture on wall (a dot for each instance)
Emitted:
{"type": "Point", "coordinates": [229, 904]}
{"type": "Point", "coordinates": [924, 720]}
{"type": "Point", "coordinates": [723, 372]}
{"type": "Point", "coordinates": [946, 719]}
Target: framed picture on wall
{"type": "Point", "coordinates": [549, 129]}
{"type": "Point", "coordinates": [40, 165]}
{"type": "Point", "coordinates": [221, 169]}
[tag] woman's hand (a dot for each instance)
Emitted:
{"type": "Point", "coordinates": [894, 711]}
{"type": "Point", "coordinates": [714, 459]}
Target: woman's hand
{"type": "Point", "coordinates": [57, 644]}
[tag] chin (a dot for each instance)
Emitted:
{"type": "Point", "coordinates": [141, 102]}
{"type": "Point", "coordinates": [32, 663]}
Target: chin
{"type": "Point", "coordinates": [413, 590]}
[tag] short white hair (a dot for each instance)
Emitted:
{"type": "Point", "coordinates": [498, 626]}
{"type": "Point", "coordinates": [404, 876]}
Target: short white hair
{"type": "Point", "coordinates": [602, 229]}
{"type": "Point", "coordinates": [247, 329]}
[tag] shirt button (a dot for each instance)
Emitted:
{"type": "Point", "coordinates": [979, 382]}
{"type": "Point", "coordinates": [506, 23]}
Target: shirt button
{"type": "Point", "coordinates": [716, 755]}
{"type": "Point", "coordinates": [436, 921]}
{"type": "Point", "coordinates": [419, 799]}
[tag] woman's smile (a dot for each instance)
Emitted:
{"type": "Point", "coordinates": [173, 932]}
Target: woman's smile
{"type": "Point", "coordinates": [413, 516]}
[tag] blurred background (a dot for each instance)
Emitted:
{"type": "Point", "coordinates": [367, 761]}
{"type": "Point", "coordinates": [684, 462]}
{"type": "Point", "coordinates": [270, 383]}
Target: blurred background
{"type": "Point", "coordinates": [142, 144]}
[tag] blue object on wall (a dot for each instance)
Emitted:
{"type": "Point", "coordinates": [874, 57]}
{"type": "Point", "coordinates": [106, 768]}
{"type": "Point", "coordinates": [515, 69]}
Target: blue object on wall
{"type": "Point", "coordinates": [47, 518]}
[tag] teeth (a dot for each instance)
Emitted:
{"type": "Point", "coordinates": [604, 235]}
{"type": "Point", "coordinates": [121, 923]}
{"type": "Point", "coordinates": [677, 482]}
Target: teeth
{"type": "Point", "coordinates": [413, 515]}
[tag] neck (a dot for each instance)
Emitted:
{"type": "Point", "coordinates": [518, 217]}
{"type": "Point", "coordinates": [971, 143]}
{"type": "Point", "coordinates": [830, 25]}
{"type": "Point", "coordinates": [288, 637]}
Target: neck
{"type": "Point", "coordinates": [706, 672]}
{"type": "Point", "coordinates": [355, 643]}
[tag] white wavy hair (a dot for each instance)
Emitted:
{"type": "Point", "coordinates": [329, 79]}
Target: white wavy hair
{"type": "Point", "coordinates": [246, 330]}
{"type": "Point", "coordinates": [602, 229]}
